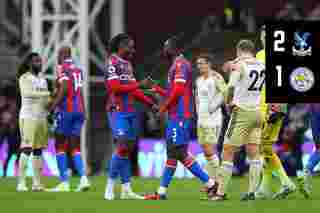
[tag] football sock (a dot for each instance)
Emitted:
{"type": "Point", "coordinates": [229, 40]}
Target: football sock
{"type": "Point", "coordinates": [37, 168]}
{"type": "Point", "coordinates": [78, 163]}
{"type": "Point", "coordinates": [125, 170]}
{"type": "Point", "coordinates": [168, 173]}
{"type": "Point", "coordinates": [195, 169]}
{"type": "Point", "coordinates": [63, 166]}
{"type": "Point", "coordinates": [255, 167]}
{"type": "Point", "coordinates": [224, 177]}
{"type": "Point", "coordinates": [114, 169]}
{"type": "Point", "coordinates": [23, 164]}
{"type": "Point", "coordinates": [313, 161]}
{"type": "Point", "coordinates": [277, 166]}
{"type": "Point", "coordinates": [212, 166]}
{"type": "Point", "coordinates": [266, 176]}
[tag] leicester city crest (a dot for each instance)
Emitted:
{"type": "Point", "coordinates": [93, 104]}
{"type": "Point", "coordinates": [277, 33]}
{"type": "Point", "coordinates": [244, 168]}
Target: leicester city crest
{"type": "Point", "coordinates": [302, 44]}
{"type": "Point", "coordinates": [302, 79]}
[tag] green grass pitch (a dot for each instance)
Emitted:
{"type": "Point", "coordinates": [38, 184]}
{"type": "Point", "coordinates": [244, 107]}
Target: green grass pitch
{"type": "Point", "coordinates": [183, 197]}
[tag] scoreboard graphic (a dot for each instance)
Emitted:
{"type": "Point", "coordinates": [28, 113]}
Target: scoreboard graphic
{"type": "Point", "coordinates": [293, 62]}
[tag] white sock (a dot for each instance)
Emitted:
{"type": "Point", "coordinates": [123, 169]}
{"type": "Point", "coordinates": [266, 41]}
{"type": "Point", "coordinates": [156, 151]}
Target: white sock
{"type": "Point", "coordinates": [37, 168]}
{"type": "Point", "coordinates": [23, 163]}
{"type": "Point", "coordinates": [110, 186]}
{"type": "Point", "coordinates": [162, 190]}
{"type": "Point", "coordinates": [212, 166]}
{"type": "Point", "coordinates": [254, 174]}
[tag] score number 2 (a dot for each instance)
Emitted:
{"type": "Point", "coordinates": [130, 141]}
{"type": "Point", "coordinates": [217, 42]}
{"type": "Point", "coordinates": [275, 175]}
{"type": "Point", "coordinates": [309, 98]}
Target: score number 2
{"type": "Point", "coordinates": [279, 35]}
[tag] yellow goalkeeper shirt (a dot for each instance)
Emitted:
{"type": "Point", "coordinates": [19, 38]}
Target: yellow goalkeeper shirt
{"type": "Point", "coordinates": [261, 56]}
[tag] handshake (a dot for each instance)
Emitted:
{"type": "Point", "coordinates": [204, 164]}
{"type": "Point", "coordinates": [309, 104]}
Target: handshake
{"type": "Point", "coordinates": [147, 83]}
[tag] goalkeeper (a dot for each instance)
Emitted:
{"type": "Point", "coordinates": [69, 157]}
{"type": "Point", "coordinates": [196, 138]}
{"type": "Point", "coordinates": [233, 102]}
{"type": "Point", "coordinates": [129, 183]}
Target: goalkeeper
{"type": "Point", "coordinates": [274, 115]}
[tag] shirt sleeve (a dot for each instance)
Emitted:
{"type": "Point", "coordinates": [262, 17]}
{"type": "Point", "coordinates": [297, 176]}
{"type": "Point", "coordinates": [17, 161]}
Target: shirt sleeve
{"type": "Point", "coordinates": [235, 75]}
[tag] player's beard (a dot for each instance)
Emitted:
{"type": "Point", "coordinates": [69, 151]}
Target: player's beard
{"type": "Point", "coordinates": [36, 69]}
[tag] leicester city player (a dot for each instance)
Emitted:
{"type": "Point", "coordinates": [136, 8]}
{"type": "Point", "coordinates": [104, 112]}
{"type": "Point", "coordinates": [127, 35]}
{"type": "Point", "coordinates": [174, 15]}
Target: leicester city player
{"type": "Point", "coordinates": [32, 121]}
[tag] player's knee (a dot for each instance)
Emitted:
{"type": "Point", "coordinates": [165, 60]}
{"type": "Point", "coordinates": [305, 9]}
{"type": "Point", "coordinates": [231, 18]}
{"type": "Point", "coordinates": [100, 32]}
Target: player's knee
{"type": "Point", "coordinates": [171, 163]}
{"type": "Point", "coordinates": [188, 161]}
{"type": "Point", "coordinates": [37, 152]}
{"type": "Point", "coordinates": [61, 147]}
{"type": "Point", "coordinates": [228, 151]}
{"type": "Point", "coordinates": [122, 148]}
{"type": "Point", "coordinates": [76, 150]}
{"type": "Point", "coordinates": [207, 150]}
{"type": "Point", "coordinates": [26, 150]}
{"type": "Point", "coordinates": [252, 151]}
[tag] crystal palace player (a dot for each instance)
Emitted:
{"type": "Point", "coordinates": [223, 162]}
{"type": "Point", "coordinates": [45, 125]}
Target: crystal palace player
{"type": "Point", "coordinates": [69, 105]}
{"type": "Point", "coordinates": [122, 89]}
{"type": "Point", "coordinates": [179, 100]}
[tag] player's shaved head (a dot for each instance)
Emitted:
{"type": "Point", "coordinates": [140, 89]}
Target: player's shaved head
{"type": "Point", "coordinates": [64, 53]}
{"type": "Point", "coordinates": [119, 41]}
{"type": "Point", "coordinates": [171, 47]}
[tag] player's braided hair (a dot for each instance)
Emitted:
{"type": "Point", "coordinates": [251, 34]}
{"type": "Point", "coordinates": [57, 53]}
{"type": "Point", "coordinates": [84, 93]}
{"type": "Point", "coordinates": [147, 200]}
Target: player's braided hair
{"type": "Point", "coordinates": [118, 41]}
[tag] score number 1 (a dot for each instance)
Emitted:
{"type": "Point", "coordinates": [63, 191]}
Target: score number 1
{"type": "Point", "coordinates": [279, 75]}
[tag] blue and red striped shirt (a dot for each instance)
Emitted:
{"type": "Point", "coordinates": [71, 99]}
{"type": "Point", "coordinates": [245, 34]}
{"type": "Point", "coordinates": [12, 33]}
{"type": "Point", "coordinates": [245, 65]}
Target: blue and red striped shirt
{"type": "Point", "coordinates": [73, 101]}
{"type": "Point", "coordinates": [179, 90]}
{"type": "Point", "coordinates": [122, 87]}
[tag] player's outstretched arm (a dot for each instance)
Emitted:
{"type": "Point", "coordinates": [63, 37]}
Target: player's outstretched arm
{"type": "Point", "coordinates": [177, 91]}
{"type": "Point", "coordinates": [116, 87]}
{"type": "Point", "coordinates": [159, 90]}
{"type": "Point", "coordinates": [140, 96]}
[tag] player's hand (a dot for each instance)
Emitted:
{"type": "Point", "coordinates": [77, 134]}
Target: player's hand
{"type": "Point", "coordinates": [163, 108]}
{"type": "Point", "coordinates": [146, 83]}
{"type": "Point", "coordinates": [275, 108]}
